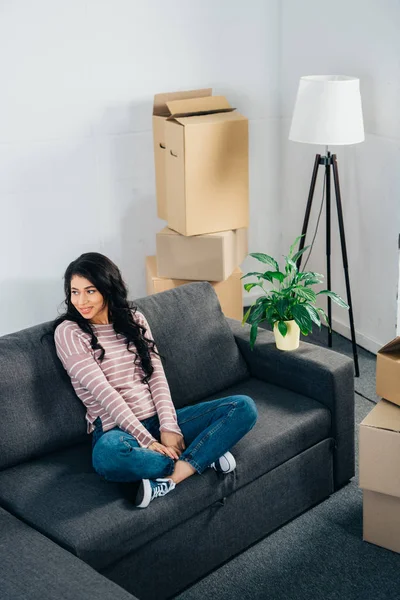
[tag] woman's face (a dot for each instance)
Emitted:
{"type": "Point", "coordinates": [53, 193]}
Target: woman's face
{"type": "Point", "coordinates": [88, 300]}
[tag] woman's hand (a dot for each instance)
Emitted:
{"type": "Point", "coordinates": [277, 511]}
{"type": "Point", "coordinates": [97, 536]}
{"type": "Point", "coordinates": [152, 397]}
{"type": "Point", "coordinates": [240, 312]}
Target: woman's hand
{"type": "Point", "coordinates": [173, 441]}
{"type": "Point", "coordinates": [162, 449]}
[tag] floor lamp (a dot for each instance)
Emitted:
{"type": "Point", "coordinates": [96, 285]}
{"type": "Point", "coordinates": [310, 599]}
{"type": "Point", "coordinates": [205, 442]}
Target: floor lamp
{"type": "Point", "coordinates": [328, 112]}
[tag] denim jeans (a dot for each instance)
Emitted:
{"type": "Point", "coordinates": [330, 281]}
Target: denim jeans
{"type": "Point", "coordinates": [209, 429]}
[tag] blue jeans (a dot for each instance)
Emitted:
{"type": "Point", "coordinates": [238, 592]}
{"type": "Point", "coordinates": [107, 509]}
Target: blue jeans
{"type": "Point", "coordinates": [209, 429]}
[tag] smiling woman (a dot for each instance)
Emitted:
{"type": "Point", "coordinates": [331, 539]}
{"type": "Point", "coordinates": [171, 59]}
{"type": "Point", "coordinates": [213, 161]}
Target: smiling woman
{"type": "Point", "coordinates": [108, 351]}
{"type": "Point", "coordinates": [88, 300]}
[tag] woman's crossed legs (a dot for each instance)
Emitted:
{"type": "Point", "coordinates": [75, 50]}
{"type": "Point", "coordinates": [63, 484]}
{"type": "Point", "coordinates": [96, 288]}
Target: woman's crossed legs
{"type": "Point", "coordinates": [209, 429]}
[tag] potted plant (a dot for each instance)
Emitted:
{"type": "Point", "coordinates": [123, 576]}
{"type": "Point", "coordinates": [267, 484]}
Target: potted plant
{"type": "Point", "coordinates": [290, 306]}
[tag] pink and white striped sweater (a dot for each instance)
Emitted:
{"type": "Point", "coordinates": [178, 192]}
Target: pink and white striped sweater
{"type": "Point", "coordinates": [112, 389]}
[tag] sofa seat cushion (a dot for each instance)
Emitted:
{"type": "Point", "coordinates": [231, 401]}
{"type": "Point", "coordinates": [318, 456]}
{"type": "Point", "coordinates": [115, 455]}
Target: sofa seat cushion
{"type": "Point", "coordinates": [61, 495]}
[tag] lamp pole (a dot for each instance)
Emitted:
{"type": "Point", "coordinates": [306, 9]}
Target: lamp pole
{"type": "Point", "coordinates": [328, 161]}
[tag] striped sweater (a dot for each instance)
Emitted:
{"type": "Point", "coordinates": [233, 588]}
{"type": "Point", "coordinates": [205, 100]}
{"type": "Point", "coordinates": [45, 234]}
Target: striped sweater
{"type": "Point", "coordinates": [112, 389]}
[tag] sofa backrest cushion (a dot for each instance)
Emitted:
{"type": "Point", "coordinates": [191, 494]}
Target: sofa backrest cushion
{"type": "Point", "coordinates": [198, 349]}
{"type": "Point", "coordinates": [40, 411]}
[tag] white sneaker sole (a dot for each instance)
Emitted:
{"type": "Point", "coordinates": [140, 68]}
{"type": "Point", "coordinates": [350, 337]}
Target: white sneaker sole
{"type": "Point", "coordinates": [145, 501]}
{"type": "Point", "coordinates": [227, 463]}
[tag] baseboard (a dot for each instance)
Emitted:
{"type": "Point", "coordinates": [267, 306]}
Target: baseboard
{"type": "Point", "coordinates": [362, 340]}
{"type": "Point", "coordinates": [343, 328]}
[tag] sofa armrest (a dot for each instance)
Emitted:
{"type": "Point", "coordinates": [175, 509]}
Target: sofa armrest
{"type": "Point", "coordinates": [319, 373]}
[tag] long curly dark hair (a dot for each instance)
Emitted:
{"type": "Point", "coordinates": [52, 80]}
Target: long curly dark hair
{"type": "Point", "coordinates": [105, 276]}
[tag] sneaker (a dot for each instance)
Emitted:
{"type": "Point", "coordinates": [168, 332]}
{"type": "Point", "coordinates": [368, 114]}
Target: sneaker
{"type": "Point", "coordinates": [225, 464]}
{"type": "Point", "coordinates": [150, 489]}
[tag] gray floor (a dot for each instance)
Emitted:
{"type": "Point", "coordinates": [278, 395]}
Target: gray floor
{"type": "Point", "coordinates": [320, 554]}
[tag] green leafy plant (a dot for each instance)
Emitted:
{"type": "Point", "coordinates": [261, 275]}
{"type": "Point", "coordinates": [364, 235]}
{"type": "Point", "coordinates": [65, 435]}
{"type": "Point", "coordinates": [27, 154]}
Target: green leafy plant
{"type": "Point", "coordinates": [291, 296]}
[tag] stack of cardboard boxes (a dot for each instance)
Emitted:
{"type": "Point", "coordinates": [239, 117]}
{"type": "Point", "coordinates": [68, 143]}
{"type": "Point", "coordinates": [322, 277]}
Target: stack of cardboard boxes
{"type": "Point", "coordinates": [380, 454]}
{"type": "Point", "coordinates": [202, 184]}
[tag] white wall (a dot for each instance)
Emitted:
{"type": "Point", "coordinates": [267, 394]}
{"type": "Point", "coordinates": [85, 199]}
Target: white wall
{"type": "Point", "coordinates": [361, 39]}
{"type": "Point", "coordinates": [398, 304]}
{"type": "Point", "coordinates": [76, 162]}
{"type": "Point", "coordinates": [76, 156]}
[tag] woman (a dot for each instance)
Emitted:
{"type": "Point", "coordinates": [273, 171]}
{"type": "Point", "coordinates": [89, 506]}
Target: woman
{"type": "Point", "coordinates": [109, 353]}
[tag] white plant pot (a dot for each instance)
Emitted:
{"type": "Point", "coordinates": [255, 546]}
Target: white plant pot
{"type": "Point", "coordinates": [292, 338]}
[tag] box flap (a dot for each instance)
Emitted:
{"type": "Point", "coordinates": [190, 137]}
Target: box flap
{"type": "Point", "coordinates": [160, 108]}
{"type": "Point", "coordinates": [385, 415]}
{"type": "Point", "coordinates": [393, 346]}
{"type": "Point", "coordinates": [195, 106]}
{"type": "Point", "coordinates": [209, 117]}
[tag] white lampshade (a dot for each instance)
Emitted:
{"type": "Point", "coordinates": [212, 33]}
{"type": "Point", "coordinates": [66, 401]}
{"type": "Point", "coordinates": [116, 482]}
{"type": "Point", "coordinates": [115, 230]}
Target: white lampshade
{"type": "Point", "coordinates": [328, 111]}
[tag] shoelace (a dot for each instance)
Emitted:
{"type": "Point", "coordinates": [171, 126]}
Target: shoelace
{"type": "Point", "coordinates": [162, 488]}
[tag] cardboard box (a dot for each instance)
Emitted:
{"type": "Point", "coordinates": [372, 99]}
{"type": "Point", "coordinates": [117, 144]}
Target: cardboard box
{"type": "Point", "coordinates": [381, 520]}
{"type": "Point", "coordinates": [380, 475]}
{"type": "Point", "coordinates": [207, 257]}
{"type": "Point", "coordinates": [160, 114]}
{"type": "Point", "coordinates": [380, 449]}
{"type": "Point", "coordinates": [388, 371]}
{"type": "Point", "coordinates": [229, 292]}
{"type": "Point", "coordinates": [207, 174]}
{"type": "Point", "coordinates": [206, 164]}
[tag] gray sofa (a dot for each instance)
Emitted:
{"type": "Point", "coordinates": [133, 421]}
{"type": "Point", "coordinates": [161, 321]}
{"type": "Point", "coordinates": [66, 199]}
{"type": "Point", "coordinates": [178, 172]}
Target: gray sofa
{"type": "Point", "coordinates": [32, 567]}
{"type": "Point", "coordinates": [300, 451]}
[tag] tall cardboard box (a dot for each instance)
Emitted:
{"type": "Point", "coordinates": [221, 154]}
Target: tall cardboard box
{"type": "Point", "coordinates": [207, 257]}
{"type": "Point", "coordinates": [380, 475]}
{"type": "Point", "coordinates": [160, 114]}
{"type": "Point", "coordinates": [229, 292]}
{"type": "Point", "coordinates": [207, 171]}
{"type": "Point", "coordinates": [388, 371]}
